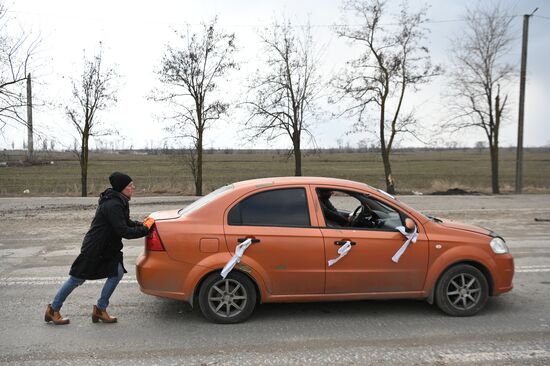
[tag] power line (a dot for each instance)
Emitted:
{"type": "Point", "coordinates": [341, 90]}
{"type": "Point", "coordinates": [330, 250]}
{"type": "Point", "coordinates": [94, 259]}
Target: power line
{"type": "Point", "coordinates": [429, 21]}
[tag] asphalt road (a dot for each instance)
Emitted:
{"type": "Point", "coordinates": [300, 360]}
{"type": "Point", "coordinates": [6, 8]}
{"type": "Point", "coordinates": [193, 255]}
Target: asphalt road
{"type": "Point", "coordinates": [40, 237]}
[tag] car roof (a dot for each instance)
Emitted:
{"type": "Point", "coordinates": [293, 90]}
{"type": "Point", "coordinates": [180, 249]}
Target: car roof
{"type": "Point", "coordinates": [275, 181]}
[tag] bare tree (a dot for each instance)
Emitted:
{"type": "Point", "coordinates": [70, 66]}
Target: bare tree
{"type": "Point", "coordinates": [92, 93]}
{"type": "Point", "coordinates": [16, 51]}
{"type": "Point", "coordinates": [191, 72]}
{"type": "Point", "coordinates": [283, 91]}
{"type": "Point", "coordinates": [391, 62]}
{"type": "Point", "coordinates": [477, 76]}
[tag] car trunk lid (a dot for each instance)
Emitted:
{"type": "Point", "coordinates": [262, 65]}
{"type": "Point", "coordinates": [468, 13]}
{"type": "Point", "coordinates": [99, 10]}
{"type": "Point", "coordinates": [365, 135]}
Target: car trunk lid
{"type": "Point", "coordinates": [165, 215]}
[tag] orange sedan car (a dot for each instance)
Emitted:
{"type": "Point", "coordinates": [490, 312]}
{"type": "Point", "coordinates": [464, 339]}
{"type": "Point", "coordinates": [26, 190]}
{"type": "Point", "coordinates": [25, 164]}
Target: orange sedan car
{"type": "Point", "coordinates": [297, 239]}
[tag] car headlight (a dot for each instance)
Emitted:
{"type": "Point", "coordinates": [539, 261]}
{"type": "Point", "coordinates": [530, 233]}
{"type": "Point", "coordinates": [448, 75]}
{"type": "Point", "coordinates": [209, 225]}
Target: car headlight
{"type": "Point", "coordinates": [499, 246]}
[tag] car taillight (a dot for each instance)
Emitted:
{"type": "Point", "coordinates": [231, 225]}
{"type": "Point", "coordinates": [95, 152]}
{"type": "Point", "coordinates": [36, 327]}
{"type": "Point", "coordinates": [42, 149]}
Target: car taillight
{"type": "Point", "coordinates": [152, 241]}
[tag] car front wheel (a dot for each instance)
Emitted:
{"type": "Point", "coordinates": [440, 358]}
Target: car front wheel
{"type": "Point", "coordinates": [462, 291]}
{"type": "Point", "coordinates": [229, 300]}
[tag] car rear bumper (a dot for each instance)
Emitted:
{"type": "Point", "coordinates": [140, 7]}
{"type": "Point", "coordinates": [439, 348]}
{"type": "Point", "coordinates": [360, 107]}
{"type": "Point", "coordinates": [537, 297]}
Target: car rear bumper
{"type": "Point", "coordinates": [159, 275]}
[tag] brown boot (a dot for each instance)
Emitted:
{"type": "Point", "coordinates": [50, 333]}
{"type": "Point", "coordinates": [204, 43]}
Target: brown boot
{"type": "Point", "coordinates": [99, 314]}
{"type": "Point", "coordinates": [54, 316]}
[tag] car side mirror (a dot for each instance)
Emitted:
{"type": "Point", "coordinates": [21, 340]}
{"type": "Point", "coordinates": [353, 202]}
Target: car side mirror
{"type": "Point", "coordinates": [410, 225]}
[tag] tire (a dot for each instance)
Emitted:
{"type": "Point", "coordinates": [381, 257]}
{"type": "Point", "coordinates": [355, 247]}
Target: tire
{"type": "Point", "coordinates": [227, 301]}
{"type": "Point", "coordinates": [462, 291]}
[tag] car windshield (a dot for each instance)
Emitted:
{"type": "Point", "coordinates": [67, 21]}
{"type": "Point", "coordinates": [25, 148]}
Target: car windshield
{"type": "Point", "coordinates": [401, 203]}
{"type": "Point", "coordinates": [204, 200]}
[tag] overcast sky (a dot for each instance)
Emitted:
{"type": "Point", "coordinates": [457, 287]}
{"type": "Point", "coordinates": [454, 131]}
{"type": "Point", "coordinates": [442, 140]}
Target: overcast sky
{"type": "Point", "coordinates": [134, 35]}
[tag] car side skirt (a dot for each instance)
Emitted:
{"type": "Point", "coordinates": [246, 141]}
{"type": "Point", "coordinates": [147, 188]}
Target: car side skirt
{"type": "Point", "coordinates": [345, 297]}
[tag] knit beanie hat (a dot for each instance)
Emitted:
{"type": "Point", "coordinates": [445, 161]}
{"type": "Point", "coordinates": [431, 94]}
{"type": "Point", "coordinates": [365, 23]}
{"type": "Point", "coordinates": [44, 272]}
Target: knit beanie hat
{"type": "Point", "coordinates": [119, 181]}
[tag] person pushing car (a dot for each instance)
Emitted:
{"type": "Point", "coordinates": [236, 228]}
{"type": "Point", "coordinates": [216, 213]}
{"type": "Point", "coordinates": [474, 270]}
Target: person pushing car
{"type": "Point", "coordinates": [101, 252]}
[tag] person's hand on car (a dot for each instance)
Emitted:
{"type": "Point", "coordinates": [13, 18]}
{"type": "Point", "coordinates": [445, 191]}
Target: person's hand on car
{"type": "Point", "coordinates": [148, 223]}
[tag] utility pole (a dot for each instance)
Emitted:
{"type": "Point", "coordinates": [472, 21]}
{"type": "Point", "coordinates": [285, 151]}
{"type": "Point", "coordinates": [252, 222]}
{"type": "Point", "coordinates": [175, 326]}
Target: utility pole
{"type": "Point", "coordinates": [519, 150]}
{"type": "Point", "coordinates": [30, 144]}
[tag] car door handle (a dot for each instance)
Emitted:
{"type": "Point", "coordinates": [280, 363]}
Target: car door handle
{"type": "Point", "coordinates": [254, 240]}
{"type": "Point", "coordinates": [342, 242]}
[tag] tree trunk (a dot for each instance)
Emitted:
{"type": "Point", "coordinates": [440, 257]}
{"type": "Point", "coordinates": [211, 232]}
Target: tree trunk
{"type": "Point", "coordinates": [390, 184]}
{"type": "Point", "coordinates": [84, 180]}
{"type": "Point", "coordinates": [494, 169]}
{"type": "Point", "coordinates": [84, 165]}
{"type": "Point", "coordinates": [198, 176]}
{"type": "Point", "coordinates": [30, 142]}
{"type": "Point", "coordinates": [493, 141]}
{"type": "Point", "coordinates": [297, 157]}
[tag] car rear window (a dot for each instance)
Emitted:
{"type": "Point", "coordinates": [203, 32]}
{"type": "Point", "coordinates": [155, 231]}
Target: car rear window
{"type": "Point", "coordinates": [204, 200]}
{"type": "Point", "coordinates": [279, 207]}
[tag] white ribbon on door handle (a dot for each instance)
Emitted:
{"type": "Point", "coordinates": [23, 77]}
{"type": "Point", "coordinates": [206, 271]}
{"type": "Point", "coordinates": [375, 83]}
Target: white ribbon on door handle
{"type": "Point", "coordinates": [411, 238]}
{"type": "Point", "coordinates": [343, 251]}
{"type": "Point", "coordinates": [239, 251]}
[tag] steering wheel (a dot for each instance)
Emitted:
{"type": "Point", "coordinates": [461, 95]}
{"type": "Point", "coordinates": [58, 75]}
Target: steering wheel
{"type": "Point", "coordinates": [357, 214]}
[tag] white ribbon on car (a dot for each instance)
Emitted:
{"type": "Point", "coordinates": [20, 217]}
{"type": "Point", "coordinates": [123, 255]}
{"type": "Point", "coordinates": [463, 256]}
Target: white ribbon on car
{"type": "Point", "coordinates": [411, 238]}
{"type": "Point", "coordinates": [343, 251]}
{"type": "Point", "coordinates": [239, 251]}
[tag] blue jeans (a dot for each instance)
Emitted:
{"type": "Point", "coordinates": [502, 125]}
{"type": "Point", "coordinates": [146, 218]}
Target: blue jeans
{"type": "Point", "coordinates": [74, 282]}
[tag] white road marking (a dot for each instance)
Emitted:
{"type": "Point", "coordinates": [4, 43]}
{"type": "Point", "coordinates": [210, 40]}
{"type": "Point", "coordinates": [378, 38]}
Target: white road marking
{"type": "Point", "coordinates": [482, 357]}
{"type": "Point", "coordinates": [34, 281]}
{"type": "Point", "coordinates": [533, 268]}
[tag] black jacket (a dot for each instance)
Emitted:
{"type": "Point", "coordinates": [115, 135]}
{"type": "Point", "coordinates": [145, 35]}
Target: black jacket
{"type": "Point", "coordinates": [102, 246]}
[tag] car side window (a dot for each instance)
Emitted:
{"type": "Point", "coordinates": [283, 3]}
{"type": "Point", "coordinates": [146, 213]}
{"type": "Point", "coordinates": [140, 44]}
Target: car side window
{"type": "Point", "coordinates": [388, 219]}
{"type": "Point", "coordinates": [353, 210]}
{"type": "Point", "coordinates": [279, 207]}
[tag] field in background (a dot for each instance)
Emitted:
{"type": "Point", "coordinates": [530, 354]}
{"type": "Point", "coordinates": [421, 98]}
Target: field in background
{"type": "Point", "coordinates": [423, 171]}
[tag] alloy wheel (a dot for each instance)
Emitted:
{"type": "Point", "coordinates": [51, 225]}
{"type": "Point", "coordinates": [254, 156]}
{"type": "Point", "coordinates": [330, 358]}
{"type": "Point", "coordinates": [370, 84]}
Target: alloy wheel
{"type": "Point", "coordinates": [464, 291]}
{"type": "Point", "coordinates": [227, 298]}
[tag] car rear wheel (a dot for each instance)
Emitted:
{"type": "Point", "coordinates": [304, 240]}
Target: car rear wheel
{"type": "Point", "coordinates": [229, 300]}
{"type": "Point", "coordinates": [462, 291]}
